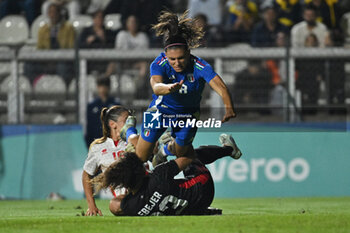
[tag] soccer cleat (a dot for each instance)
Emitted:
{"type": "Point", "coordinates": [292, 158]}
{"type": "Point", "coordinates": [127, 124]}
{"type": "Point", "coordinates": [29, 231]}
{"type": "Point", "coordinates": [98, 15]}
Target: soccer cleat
{"type": "Point", "coordinates": [227, 140]}
{"type": "Point", "coordinates": [212, 211]}
{"type": "Point", "coordinates": [130, 122]}
{"type": "Point", "coordinates": [161, 155]}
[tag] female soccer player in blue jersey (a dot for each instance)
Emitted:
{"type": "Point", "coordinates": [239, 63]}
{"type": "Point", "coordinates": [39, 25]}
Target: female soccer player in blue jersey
{"type": "Point", "coordinates": [177, 80]}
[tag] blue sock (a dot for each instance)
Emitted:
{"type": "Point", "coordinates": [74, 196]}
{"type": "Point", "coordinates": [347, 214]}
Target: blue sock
{"type": "Point", "coordinates": [167, 152]}
{"type": "Point", "coordinates": [130, 131]}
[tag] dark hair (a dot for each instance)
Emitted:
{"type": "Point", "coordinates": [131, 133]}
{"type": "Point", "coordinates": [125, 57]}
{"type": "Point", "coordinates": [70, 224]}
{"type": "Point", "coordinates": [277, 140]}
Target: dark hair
{"type": "Point", "coordinates": [103, 81]}
{"type": "Point", "coordinates": [98, 12]}
{"type": "Point", "coordinates": [128, 172]}
{"type": "Point", "coordinates": [53, 4]}
{"type": "Point", "coordinates": [310, 7]}
{"type": "Point", "coordinates": [112, 113]}
{"type": "Point", "coordinates": [312, 35]}
{"type": "Point", "coordinates": [178, 31]}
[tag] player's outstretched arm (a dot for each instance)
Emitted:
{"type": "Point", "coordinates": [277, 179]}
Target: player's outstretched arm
{"type": "Point", "coordinates": [160, 88]}
{"type": "Point", "coordinates": [88, 189]}
{"type": "Point", "coordinates": [220, 87]}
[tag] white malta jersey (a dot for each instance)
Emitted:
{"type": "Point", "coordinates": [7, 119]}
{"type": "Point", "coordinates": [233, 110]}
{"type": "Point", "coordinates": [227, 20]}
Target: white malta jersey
{"type": "Point", "coordinates": [101, 156]}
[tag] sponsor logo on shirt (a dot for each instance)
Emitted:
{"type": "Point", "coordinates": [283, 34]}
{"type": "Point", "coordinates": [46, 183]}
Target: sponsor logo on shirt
{"type": "Point", "coordinates": [104, 151]}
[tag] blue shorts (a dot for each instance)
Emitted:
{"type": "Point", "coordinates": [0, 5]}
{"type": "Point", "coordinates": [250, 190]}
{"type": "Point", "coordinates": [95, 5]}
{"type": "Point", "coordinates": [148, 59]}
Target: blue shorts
{"type": "Point", "coordinates": [183, 133]}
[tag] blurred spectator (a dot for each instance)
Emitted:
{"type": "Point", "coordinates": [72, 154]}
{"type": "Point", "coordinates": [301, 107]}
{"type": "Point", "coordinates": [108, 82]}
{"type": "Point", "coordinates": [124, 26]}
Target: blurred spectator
{"type": "Point", "coordinates": [212, 9]}
{"type": "Point", "coordinates": [329, 13]}
{"type": "Point", "coordinates": [131, 39]}
{"type": "Point", "coordinates": [301, 31]}
{"type": "Point", "coordinates": [103, 99]}
{"type": "Point", "coordinates": [213, 35]}
{"type": "Point", "coordinates": [242, 15]}
{"type": "Point", "coordinates": [97, 36]}
{"type": "Point", "coordinates": [335, 77]}
{"type": "Point", "coordinates": [278, 70]}
{"type": "Point", "coordinates": [72, 7]}
{"type": "Point", "coordinates": [288, 11]}
{"type": "Point", "coordinates": [57, 34]}
{"type": "Point", "coordinates": [146, 11]}
{"type": "Point", "coordinates": [252, 85]}
{"type": "Point", "coordinates": [310, 74]}
{"type": "Point", "coordinates": [14, 7]}
{"type": "Point", "coordinates": [265, 33]}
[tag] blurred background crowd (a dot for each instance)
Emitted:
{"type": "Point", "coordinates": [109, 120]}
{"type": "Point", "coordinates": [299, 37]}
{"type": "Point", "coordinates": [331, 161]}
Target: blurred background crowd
{"type": "Point", "coordinates": [256, 22]}
{"type": "Point", "coordinates": [124, 25]}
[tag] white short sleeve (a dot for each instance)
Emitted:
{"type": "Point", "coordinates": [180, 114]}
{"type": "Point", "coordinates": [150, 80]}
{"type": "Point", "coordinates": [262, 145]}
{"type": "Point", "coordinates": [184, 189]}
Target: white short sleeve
{"type": "Point", "coordinates": [91, 163]}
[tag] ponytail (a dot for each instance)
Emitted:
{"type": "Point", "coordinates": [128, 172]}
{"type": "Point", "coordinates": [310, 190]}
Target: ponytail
{"type": "Point", "coordinates": [107, 114]}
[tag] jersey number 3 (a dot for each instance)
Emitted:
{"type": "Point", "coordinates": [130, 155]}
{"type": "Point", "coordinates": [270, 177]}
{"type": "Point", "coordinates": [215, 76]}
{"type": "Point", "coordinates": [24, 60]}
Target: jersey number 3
{"type": "Point", "coordinates": [183, 89]}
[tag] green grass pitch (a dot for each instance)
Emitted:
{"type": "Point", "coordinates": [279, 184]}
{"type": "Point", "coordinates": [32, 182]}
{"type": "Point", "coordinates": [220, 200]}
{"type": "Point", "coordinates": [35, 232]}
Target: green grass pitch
{"type": "Point", "coordinates": [270, 215]}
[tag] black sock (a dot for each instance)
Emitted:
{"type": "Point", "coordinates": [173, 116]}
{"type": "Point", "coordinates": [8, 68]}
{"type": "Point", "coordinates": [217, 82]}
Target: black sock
{"type": "Point", "coordinates": [209, 154]}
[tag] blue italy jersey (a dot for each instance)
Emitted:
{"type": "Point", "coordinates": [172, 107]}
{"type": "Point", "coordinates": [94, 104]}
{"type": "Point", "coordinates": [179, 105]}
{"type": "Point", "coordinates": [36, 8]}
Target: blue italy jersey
{"type": "Point", "coordinates": [187, 99]}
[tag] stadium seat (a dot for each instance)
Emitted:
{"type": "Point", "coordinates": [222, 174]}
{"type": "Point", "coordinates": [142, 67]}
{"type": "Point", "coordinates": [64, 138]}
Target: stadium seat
{"type": "Point", "coordinates": [14, 30]}
{"type": "Point", "coordinates": [38, 22]}
{"type": "Point", "coordinates": [50, 84]}
{"type": "Point", "coordinates": [24, 85]}
{"type": "Point", "coordinates": [5, 69]}
{"type": "Point", "coordinates": [114, 83]}
{"type": "Point", "coordinates": [113, 21]}
{"type": "Point", "coordinates": [229, 78]}
{"type": "Point", "coordinates": [91, 80]}
{"type": "Point", "coordinates": [80, 22]}
{"type": "Point", "coordinates": [127, 84]}
{"type": "Point", "coordinates": [345, 24]}
{"type": "Point", "coordinates": [235, 66]}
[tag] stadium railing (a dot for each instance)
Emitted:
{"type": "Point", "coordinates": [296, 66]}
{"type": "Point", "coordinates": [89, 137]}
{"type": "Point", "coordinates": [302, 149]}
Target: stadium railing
{"type": "Point", "coordinates": [221, 58]}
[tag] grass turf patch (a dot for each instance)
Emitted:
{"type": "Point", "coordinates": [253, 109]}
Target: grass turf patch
{"type": "Point", "coordinates": [239, 215]}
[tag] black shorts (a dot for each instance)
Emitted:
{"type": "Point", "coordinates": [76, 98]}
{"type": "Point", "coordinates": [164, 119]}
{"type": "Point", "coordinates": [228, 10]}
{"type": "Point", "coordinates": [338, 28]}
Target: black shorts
{"type": "Point", "coordinates": [206, 196]}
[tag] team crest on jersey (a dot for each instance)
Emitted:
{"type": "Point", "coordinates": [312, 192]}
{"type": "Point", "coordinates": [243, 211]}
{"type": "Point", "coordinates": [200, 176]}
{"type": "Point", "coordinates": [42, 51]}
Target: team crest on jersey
{"type": "Point", "coordinates": [172, 77]}
{"type": "Point", "coordinates": [190, 78]}
{"type": "Point", "coordinates": [104, 151]}
{"type": "Point", "coordinates": [147, 132]}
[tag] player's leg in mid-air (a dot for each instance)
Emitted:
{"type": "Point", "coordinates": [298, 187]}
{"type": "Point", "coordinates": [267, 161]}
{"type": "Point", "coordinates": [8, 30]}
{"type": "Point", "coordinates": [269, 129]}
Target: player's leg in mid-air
{"type": "Point", "coordinates": [206, 154]}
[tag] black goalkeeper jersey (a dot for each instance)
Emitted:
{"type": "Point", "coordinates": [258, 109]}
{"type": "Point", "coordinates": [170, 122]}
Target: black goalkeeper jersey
{"type": "Point", "coordinates": [161, 194]}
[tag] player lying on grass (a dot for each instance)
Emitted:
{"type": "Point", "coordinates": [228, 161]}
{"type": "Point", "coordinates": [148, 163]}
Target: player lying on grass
{"type": "Point", "coordinates": [106, 150]}
{"type": "Point", "coordinates": [158, 193]}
